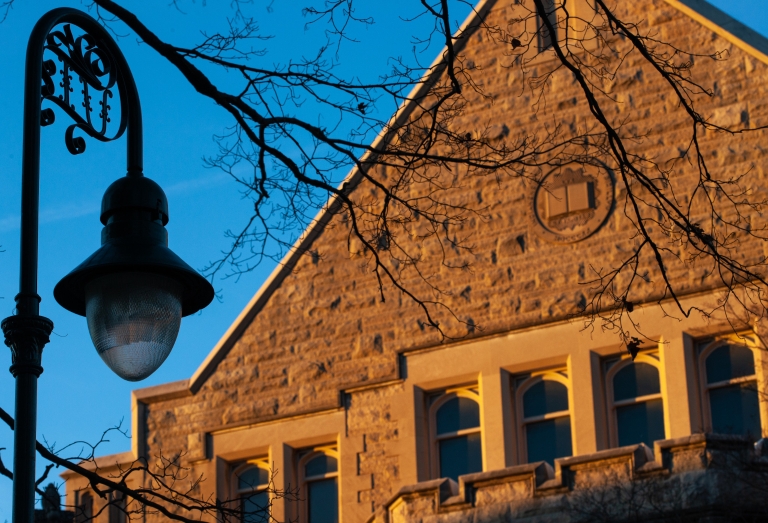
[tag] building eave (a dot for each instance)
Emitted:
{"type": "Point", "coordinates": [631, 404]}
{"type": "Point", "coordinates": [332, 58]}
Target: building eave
{"type": "Point", "coordinates": [102, 462]}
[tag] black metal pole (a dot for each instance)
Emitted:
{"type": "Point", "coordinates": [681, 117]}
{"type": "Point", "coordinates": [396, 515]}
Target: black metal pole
{"type": "Point", "coordinates": [26, 333]}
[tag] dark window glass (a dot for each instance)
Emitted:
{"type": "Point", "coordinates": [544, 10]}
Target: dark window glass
{"type": "Point", "coordinates": [728, 362]}
{"type": "Point", "coordinates": [640, 423]}
{"type": "Point", "coordinates": [547, 440]}
{"type": "Point", "coordinates": [323, 501]}
{"type": "Point", "coordinates": [735, 410]}
{"type": "Point", "coordinates": [460, 455]}
{"type": "Point", "coordinates": [117, 509]}
{"type": "Point", "coordinates": [545, 41]}
{"type": "Point", "coordinates": [456, 414]}
{"type": "Point", "coordinates": [252, 478]}
{"type": "Point", "coordinates": [635, 380]}
{"type": "Point", "coordinates": [85, 509]}
{"type": "Point", "coordinates": [322, 464]}
{"type": "Point", "coordinates": [544, 397]}
{"type": "Point", "coordinates": [255, 508]}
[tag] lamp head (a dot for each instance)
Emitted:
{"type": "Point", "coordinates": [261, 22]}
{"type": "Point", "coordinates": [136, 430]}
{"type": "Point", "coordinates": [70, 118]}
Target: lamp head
{"type": "Point", "coordinates": [134, 290]}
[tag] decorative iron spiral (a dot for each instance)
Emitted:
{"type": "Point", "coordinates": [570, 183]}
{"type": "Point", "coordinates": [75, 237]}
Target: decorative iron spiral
{"type": "Point", "coordinates": [94, 66]}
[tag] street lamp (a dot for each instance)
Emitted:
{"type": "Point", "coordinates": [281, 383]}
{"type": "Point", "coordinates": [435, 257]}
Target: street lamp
{"type": "Point", "coordinates": [133, 290]}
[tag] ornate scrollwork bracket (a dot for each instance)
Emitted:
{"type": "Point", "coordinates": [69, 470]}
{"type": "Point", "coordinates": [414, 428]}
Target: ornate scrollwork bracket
{"type": "Point", "coordinates": [94, 65]}
{"type": "Point", "coordinates": [26, 336]}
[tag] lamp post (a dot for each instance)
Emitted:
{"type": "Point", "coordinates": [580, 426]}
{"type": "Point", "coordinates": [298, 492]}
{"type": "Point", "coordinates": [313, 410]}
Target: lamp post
{"type": "Point", "coordinates": [133, 290]}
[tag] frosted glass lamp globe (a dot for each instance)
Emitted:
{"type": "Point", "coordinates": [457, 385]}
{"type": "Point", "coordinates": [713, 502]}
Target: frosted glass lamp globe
{"type": "Point", "coordinates": [133, 319]}
{"type": "Point", "coordinates": [133, 290]}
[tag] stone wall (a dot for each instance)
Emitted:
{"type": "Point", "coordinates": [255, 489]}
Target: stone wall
{"type": "Point", "coordinates": [371, 417]}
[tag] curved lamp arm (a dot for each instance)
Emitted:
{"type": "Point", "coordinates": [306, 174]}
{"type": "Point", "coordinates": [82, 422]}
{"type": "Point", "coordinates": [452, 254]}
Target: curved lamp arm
{"type": "Point", "coordinates": [97, 60]}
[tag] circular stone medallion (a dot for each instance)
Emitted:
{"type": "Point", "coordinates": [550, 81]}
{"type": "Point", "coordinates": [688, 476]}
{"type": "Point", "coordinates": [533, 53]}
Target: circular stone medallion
{"type": "Point", "coordinates": [571, 202]}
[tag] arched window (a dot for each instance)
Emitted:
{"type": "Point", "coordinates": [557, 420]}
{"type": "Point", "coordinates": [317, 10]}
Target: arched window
{"type": "Point", "coordinates": [637, 404]}
{"type": "Point", "coordinates": [117, 508]}
{"type": "Point", "coordinates": [320, 486]}
{"type": "Point", "coordinates": [84, 511]}
{"type": "Point", "coordinates": [730, 389]}
{"type": "Point", "coordinates": [546, 418]}
{"type": "Point", "coordinates": [252, 484]}
{"type": "Point", "coordinates": [456, 434]}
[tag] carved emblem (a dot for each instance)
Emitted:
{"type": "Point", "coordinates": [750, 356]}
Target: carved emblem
{"type": "Point", "coordinates": [571, 202]}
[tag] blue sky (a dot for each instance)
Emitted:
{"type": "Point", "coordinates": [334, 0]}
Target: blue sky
{"type": "Point", "coordinates": [78, 396]}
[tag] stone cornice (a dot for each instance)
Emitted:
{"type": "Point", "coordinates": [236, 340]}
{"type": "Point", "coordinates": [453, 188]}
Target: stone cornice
{"type": "Point", "coordinates": [539, 480]}
{"type": "Point", "coordinates": [103, 462]}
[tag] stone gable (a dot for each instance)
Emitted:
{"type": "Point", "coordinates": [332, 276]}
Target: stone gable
{"type": "Point", "coordinates": [325, 327]}
{"type": "Point", "coordinates": [322, 328]}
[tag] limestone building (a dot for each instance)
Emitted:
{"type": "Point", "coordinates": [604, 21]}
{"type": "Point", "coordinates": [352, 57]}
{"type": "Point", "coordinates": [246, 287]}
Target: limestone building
{"type": "Point", "coordinates": [373, 417]}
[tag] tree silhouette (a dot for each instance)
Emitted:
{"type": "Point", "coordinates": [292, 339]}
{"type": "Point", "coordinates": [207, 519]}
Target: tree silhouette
{"type": "Point", "coordinates": [409, 170]}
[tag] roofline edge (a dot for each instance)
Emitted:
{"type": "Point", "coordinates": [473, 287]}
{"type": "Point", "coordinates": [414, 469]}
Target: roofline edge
{"type": "Point", "coordinates": [723, 24]}
{"type": "Point", "coordinates": [322, 218]}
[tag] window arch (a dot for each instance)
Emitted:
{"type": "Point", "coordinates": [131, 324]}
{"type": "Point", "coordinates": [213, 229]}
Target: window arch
{"type": "Point", "coordinates": [636, 403]}
{"type": "Point", "coordinates": [545, 418]}
{"type": "Point", "coordinates": [729, 387]}
{"type": "Point", "coordinates": [456, 434]}
{"type": "Point", "coordinates": [251, 482]}
{"type": "Point", "coordinates": [117, 508]}
{"type": "Point", "coordinates": [319, 472]}
{"type": "Point", "coordinates": [84, 510]}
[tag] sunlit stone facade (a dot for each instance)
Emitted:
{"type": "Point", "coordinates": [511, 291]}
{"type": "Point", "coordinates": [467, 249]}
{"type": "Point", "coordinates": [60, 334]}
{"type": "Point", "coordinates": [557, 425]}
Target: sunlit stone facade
{"type": "Point", "coordinates": [356, 403]}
